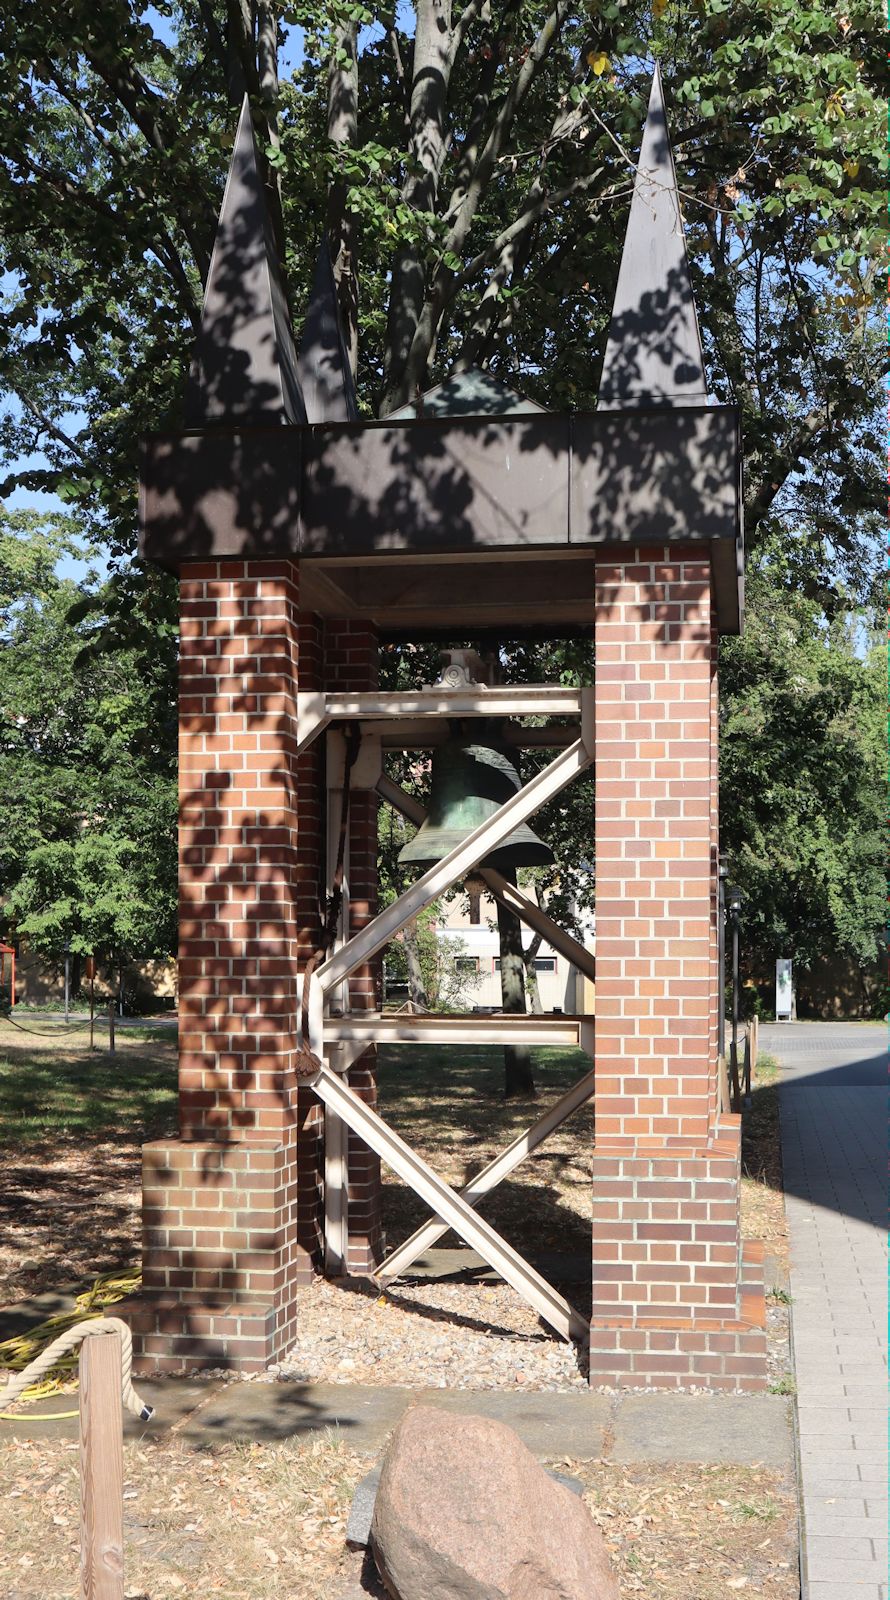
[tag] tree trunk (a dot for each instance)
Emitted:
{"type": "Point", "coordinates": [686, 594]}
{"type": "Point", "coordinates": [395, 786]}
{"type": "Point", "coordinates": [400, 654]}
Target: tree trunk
{"type": "Point", "coordinates": [518, 1078]}
{"type": "Point", "coordinates": [342, 231]}
{"type": "Point", "coordinates": [416, 986]}
{"type": "Point", "coordinates": [531, 976]}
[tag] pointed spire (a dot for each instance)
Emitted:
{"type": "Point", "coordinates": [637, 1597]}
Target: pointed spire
{"type": "Point", "coordinates": [244, 367]}
{"type": "Point", "coordinates": [653, 351]}
{"type": "Point", "coordinates": [323, 363]}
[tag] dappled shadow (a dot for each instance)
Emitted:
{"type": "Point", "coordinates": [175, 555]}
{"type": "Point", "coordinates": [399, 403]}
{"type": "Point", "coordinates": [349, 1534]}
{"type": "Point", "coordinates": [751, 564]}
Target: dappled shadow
{"type": "Point", "coordinates": [68, 1218]}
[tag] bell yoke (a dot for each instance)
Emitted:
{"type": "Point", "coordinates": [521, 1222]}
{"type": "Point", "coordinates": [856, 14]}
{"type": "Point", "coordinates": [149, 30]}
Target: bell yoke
{"type": "Point", "coordinates": [300, 534]}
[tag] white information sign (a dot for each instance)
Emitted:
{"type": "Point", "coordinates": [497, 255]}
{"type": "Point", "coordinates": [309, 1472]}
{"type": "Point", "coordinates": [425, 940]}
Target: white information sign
{"type": "Point", "coordinates": [784, 991]}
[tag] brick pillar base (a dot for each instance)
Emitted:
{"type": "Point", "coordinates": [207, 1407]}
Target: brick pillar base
{"type": "Point", "coordinates": [219, 1276]}
{"type": "Point", "coordinates": [222, 1253]}
{"type": "Point", "coordinates": [678, 1300]}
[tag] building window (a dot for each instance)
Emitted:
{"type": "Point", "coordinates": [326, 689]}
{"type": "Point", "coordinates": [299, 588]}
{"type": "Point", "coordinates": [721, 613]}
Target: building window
{"type": "Point", "coordinates": [467, 963]}
{"type": "Point", "coordinates": [540, 963]}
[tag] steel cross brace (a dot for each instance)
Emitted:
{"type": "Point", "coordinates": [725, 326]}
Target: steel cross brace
{"type": "Point", "coordinates": [455, 1212]}
{"type": "Point", "coordinates": [453, 866]}
{"type": "Point", "coordinates": [508, 893]}
{"type": "Point", "coordinates": [490, 1176]}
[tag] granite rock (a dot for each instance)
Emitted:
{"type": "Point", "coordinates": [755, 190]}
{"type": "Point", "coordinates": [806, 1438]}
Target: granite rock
{"type": "Point", "coordinates": [465, 1512]}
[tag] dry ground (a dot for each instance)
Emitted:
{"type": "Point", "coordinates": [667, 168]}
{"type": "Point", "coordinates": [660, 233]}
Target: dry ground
{"type": "Point", "coordinates": [72, 1123]}
{"type": "Point", "coordinates": [763, 1201]}
{"type": "Point", "coordinates": [267, 1523]}
{"type": "Point", "coordinates": [248, 1522]}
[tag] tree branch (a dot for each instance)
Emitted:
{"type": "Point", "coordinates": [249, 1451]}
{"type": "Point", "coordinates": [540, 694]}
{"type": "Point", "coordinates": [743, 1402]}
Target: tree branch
{"type": "Point", "coordinates": [341, 226]}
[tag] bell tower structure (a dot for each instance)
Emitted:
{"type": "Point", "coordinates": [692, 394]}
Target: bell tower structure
{"type": "Point", "coordinates": [300, 533]}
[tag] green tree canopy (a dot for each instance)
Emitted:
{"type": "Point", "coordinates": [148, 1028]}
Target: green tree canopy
{"type": "Point", "coordinates": [472, 164]}
{"type": "Point", "coordinates": [803, 741]}
{"type": "Point", "coordinates": [88, 843]}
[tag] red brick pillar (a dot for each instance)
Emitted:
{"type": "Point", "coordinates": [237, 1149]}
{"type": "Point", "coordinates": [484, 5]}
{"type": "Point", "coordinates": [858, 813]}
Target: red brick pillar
{"type": "Point", "coordinates": [351, 663]}
{"type": "Point", "coordinates": [220, 1204]}
{"type": "Point", "coordinates": [668, 1302]}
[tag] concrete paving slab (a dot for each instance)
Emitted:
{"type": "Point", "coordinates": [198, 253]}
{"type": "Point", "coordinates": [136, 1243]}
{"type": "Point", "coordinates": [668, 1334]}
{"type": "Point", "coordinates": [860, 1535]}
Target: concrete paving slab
{"type": "Point", "coordinates": [841, 1569]}
{"type": "Point", "coordinates": [550, 1424]}
{"type": "Point", "coordinates": [745, 1429]}
{"type": "Point", "coordinates": [837, 1546]}
{"type": "Point", "coordinates": [846, 1528]}
{"type": "Point", "coordinates": [172, 1399]}
{"type": "Point", "coordinates": [266, 1412]}
{"type": "Point", "coordinates": [846, 1591]}
{"type": "Point", "coordinates": [19, 1319]}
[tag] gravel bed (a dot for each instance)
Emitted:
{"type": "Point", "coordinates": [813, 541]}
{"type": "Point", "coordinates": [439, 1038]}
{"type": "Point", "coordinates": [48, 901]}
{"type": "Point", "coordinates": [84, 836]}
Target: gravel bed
{"type": "Point", "coordinates": [437, 1335]}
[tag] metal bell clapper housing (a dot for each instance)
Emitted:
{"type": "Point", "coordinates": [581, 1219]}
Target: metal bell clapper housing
{"type": "Point", "coordinates": [470, 781]}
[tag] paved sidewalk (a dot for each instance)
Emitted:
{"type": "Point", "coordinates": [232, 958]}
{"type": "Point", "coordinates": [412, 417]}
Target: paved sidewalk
{"type": "Point", "coordinates": [834, 1141]}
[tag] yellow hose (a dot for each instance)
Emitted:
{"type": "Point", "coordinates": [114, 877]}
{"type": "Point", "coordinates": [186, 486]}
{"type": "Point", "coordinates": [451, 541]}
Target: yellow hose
{"type": "Point", "coordinates": [18, 1352]}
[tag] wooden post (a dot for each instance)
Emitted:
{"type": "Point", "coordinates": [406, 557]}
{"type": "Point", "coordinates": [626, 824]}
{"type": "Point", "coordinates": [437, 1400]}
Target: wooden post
{"type": "Point", "coordinates": [101, 1469]}
{"type": "Point", "coordinates": [111, 1026]}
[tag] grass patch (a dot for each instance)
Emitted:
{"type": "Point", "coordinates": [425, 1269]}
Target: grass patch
{"type": "Point", "coordinates": [783, 1385]}
{"type": "Point", "coordinates": [694, 1532]}
{"type": "Point", "coordinates": [58, 1090]}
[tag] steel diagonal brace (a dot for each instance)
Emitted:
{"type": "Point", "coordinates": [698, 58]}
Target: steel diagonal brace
{"type": "Point", "coordinates": [457, 863]}
{"type": "Point", "coordinates": [508, 893]}
{"type": "Point", "coordinates": [486, 1180]}
{"type": "Point", "coordinates": [550, 1305]}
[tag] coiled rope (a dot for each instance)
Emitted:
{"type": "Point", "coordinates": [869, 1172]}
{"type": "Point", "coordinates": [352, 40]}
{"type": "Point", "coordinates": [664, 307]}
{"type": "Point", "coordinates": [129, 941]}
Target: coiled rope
{"type": "Point", "coordinates": [70, 1340]}
{"type": "Point", "coordinates": [17, 1352]}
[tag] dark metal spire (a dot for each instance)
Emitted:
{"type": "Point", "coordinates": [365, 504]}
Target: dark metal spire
{"type": "Point", "coordinates": [653, 351]}
{"type": "Point", "coordinates": [323, 363]}
{"type": "Point", "coordinates": [244, 367]}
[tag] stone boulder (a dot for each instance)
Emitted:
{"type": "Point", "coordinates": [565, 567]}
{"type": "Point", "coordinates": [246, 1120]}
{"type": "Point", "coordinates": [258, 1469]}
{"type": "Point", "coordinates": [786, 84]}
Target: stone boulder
{"type": "Point", "coordinates": [465, 1512]}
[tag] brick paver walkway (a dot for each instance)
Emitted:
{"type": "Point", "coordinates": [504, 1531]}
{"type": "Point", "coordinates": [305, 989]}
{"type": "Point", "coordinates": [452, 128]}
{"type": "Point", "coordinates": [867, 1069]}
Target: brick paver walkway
{"type": "Point", "coordinates": [834, 1143]}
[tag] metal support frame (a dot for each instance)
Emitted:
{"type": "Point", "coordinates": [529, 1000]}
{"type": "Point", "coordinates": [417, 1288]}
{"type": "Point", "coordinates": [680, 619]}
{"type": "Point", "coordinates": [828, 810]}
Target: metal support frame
{"type": "Point", "coordinates": [456, 864]}
{"type": "Point", "coordinates": [316, 709]}
{"type": "Point", "coordinates": [455, 1212]}
{"type": "Point", "coordinates": [336, 1133]}
{"type": "Point", "coordinates": [490, 1176]}
{"type": "Point", "coordinates": [344, 1037]}
{"type": "Point", "coordinates": [508, 893]}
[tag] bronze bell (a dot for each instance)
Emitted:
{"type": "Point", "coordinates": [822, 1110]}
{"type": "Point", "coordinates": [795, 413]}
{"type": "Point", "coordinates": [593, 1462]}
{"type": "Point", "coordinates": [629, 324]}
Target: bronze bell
{"type": "Point", "coordinates": [469, 783]}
